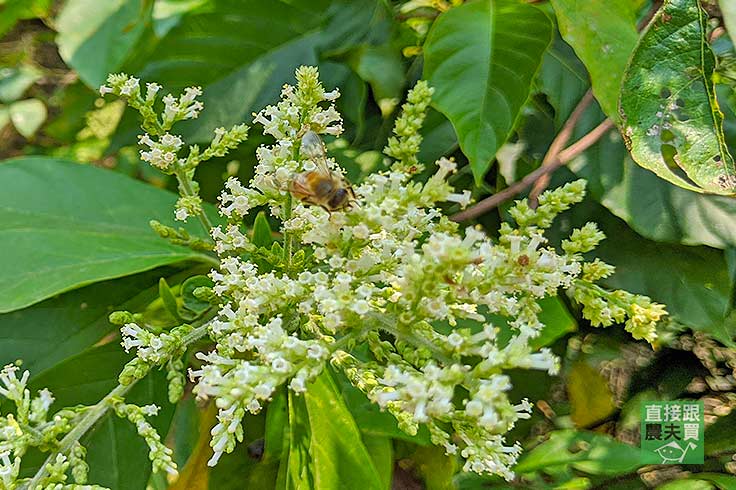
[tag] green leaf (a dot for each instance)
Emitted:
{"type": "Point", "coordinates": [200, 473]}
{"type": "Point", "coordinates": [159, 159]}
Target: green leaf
{"type": "Point", "coordinates": [27, 116]}
{"type": "Point", "coordinates": [297, 468]}
{"type": "Point", "coordinates": [337, 451]}
{"type": "Point", "coordinates": [590, 398]}
{"type": "Point", "coordinates": [168, 298]}
{"type": "Point", "coordinates": [720, 437]}
{"type": "Point", "coordinates": [168, 13]}
{"type": "Point", "coordinates": [49, 332]}
{"type": "Point", "coordinates": [724, 482]}
{"type": "Point", "coordinates": [15, 81]}
{"type": "Point", "coordinates": [589, 452]}
{"type": "Point", "coordinates": [481, 58]}
{"type": "Point", "coordinates": [672, 123]}
{"type": "Point", "coordinates": [688, 483]}
{"type": "Point", "coordinates": [655, 208]}
{"type": "Point", "coordinates": [262, 235]}
{"type": "Point", "coordinates": [382, 67]}
{"type": "Point", "coordinates": [96, 37]}
{"type": "Point", "coordinates": [563, 79]}
{"type": "Point", "coordinates": [557, 322]}
{"type": "Point", "coordinates": [190, 302]}
{"type": "Point", "coordinates": [242, 56]}
{"type": "Point", "coordinates": [67, 225]}
{"type": "Point", "coordinates": [603, 34]}
{"type": "Point", "coordinates": [382, 453]}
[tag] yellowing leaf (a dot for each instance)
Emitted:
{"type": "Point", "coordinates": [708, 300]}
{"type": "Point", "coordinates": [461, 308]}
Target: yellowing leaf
{"type": "Point", "coordinates": [590, 397]}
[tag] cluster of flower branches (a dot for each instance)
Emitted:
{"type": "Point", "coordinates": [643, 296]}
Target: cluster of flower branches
{"type": "Point", "coordinates": [423, 317]}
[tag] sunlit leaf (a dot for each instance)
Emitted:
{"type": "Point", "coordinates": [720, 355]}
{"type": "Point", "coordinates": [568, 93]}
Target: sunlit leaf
{"type": "Point", "coordinates": [481, 58]}
{"type": "Point", "coordinates": [603, 34]}
{"type": "Point", "coordinates": [96, 37]}
{"type": "Point", "coordinates": [671, 120]}
{"type": "Point", "coordinates": [27, 116]}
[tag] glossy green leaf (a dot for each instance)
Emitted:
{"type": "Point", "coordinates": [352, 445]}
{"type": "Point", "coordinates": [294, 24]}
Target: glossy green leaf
{"type": "Point", "coordinates": [722, 481]}
{"type": "Point", "coordinates": [381, 452]}
{"type": "Point", "coordinates": [168, 13]}
{"type": "Point", "coordinates": [66, 225]}
{"type": "Point", "coordinates": [96, 37]}
{"type": "Point", "coordinates": [27, 116]}
{"type": "Point", "coordinates": [45, 334]}
{"type": "Point", "coordinates": [671, 120]}
{"type": "Point", "coordinates": [336, 448]}
{"type": "Point", "coordinates": [481, 58]}
{"type": "Point", "coordinates": [297, 470]}
{"type": "Point", "coordinates": [603, 35]}
{"type": "Point", "coordinates": [557, 322]}
{"type": "Point", "coordinates": [692, 483]}
{"type": "Point", "coordinates": [563, 79]}
{"type": "Point", "coordinates": [589, 452]}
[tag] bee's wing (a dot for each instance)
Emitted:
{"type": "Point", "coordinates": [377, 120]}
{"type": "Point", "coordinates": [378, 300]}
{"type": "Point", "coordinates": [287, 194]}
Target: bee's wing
{"type": "Point", "coordinates": [299, 188]}
{"type": "Point", "coordinates": [322, 168]}
{"type": "Point", "coordinates": [313, 148]}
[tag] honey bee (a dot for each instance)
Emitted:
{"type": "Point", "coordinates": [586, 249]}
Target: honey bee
{"type": "Point", "coordinates": [321, 187]}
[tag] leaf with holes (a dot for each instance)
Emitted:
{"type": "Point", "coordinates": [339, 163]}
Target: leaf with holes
{"type": "Point", "coordinates": [672, 123]}
{"type": "Point", "coordinates": [481, 58]}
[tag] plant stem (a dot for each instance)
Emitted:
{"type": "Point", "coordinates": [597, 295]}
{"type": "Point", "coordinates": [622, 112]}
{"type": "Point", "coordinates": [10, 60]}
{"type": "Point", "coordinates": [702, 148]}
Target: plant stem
{"type": "Point", "coordinates": [561, 159]}
{"type": "Point", "coordinates": [288, 239]}
{"type": "Point", "coordinates": [186, 187]}
{"type": "Point", "coordinates": [413, 339]}
{"type": "Point", "coordinates": [95, 413]}
{"type": "Point", "coordinates": [558, 144]}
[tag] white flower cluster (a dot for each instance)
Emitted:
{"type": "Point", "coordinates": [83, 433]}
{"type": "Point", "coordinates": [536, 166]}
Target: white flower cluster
{"type": "Point", "coordinates": [387, 289]}
{"type": "Point", "coordinates": [31, 427]}
{"type": "Point", "coordinates": [392, 274]}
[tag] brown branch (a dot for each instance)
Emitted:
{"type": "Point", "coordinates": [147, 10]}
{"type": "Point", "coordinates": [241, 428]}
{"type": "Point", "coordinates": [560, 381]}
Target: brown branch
{"type": "Point", "coordinates": [561, 159]}
{"type": "Point", "coordinates": [558, 144]}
